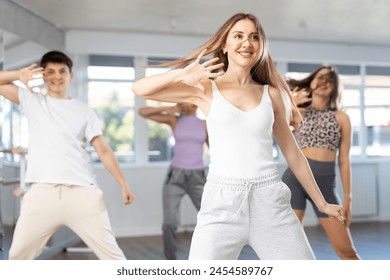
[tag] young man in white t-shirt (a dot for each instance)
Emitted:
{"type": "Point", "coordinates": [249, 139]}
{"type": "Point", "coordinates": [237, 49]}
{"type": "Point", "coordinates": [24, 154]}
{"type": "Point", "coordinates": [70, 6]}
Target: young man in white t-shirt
{"type": "Point", "coordinates": [64, 191]}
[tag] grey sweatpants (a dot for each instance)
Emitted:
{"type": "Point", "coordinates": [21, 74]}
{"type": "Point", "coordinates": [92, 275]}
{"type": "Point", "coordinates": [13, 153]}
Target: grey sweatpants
{"type": "Point", "coordinates": [236, 212]}
{"type": "Point", "coordinates": [178, 183]}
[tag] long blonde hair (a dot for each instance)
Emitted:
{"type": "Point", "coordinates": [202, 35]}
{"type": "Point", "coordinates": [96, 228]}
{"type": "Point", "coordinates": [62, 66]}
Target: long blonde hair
{"type": "Point", "coordinates": [264, 70]}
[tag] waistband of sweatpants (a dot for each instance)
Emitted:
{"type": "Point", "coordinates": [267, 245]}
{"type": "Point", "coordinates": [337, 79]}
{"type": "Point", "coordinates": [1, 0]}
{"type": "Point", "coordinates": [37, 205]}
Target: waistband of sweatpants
{"type": "Point", "coordinates": [55, 185]}
{"type": "Point", "coordinates": [242, 184]}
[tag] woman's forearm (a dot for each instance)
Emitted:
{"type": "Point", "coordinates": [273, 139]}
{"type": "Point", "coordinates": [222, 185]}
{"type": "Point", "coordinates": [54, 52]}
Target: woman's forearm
{"type": "Point", "coordinates": [152, 84]}
{"type": "Point", "coordinates": [345, 174]}
{"type": "Point", "coordinates": [150, 111]}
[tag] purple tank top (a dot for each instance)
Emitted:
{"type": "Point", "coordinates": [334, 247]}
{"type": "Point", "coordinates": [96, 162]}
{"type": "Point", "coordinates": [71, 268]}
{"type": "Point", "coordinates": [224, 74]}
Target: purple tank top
{"type": "Point", "coordinates": [190, 136]}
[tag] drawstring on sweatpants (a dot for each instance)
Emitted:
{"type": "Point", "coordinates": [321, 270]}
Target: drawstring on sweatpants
{"type": "Point", "coordinates": [244, 202]}
{"type": "Point", "coordinates": [59, 190]}
{"type": "Point", "coordinates": [60, 186]}
{"type": "Point", "coordinates": [244, 184]}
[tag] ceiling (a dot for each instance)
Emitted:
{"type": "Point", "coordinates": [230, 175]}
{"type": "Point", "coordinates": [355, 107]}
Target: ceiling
{"type": "Point", "coordinates": [337, 21]}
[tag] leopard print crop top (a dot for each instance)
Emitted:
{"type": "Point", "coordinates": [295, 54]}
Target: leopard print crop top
{"type": "Point", "coordinates": [319, 129]}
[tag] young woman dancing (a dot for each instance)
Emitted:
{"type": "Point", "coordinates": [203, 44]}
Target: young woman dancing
{"type": "Point", "coordinates": [246, 103]}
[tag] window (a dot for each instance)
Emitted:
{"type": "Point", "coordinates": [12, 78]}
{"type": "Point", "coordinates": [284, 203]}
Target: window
{"type": "Point", "coordinates": [14, 127]}
{"type": "Point", "coordinates": [161, 140]}
{"type": "Point", "coordinates": [377, 76]}
{"type": "Point", "coordinates": [350, 81]}
{"type": "Point", "coordinates": [109, 83]}
{"type": "Point", "coordinates": [350, 102]}
{"type": "Point", "coordinates": [377, 111]}
{"type": "Point", "coordinates": [160, 136]}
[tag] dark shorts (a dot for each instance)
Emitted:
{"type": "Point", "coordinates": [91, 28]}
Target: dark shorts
{"type": "Point", "coordinates": [325, 176]}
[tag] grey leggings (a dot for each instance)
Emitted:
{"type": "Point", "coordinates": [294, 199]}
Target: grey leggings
{"type": "Point", "coordinates": [324, 174]}
{"type": "Point", "coordinates": [178, 183]}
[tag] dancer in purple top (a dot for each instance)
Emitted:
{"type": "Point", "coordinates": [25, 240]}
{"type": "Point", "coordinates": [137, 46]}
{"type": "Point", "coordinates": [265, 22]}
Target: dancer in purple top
{"type": "Point", "coordinates": [186, 175]}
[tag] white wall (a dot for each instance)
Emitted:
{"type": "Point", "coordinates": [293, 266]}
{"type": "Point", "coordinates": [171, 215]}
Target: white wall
{"type": "Point", "coordinates": [383, 177]}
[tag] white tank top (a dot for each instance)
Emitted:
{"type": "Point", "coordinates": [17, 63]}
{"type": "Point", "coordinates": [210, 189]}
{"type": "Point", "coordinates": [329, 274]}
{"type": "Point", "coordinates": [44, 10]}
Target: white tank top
{"type": "Point", "coordinates": [240, 142]}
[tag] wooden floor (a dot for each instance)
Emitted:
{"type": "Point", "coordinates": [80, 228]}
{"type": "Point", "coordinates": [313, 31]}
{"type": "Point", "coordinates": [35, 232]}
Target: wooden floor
{"type": "Point", "coordinates": [372, 241]}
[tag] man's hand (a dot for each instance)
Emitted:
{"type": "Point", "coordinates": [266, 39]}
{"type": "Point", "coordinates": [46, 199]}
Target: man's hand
{"type": "Point", "coordinates": [29, 73]}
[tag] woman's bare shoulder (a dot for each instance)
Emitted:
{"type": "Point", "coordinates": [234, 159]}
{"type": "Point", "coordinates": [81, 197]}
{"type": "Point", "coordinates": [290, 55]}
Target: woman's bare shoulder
{"type": "Point", "coordinates": [342, 119]}
{"type": "Point", "coordinates": [274, 94]}
{"type": "Point", "coordinates": [342, 116]}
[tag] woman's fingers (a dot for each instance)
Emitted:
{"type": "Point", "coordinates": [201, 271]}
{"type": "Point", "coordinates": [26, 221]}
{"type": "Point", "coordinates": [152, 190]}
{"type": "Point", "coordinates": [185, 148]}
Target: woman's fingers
{"type": "Point", "coordinates": [210, 61]}
{"type": "Point", "coordinates": [208, 68]}
{"type": "Point", "coordinates": [198, 59]}
{"type": "Point", "coordinates": [301, 96]}
{"type": "Point", "coordinates": [340, 215]}
{"type": "Point", "coordinates": [214, 67]}
{"type": "Point", "coordinates": [196, 72]}
{"type": "Point", "coordinates": [336, 211]}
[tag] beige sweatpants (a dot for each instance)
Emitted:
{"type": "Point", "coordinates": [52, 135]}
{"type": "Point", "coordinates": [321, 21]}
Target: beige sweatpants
{"type": "Point", "coordinates": [47, 207]}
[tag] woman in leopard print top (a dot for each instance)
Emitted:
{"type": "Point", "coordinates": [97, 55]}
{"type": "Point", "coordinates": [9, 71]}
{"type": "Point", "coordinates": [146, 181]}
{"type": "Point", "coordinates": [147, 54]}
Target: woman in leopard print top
{"type": "Point", "coordinates": [319, 129]}
{"type": "Point", "coordinates": [324, 136]}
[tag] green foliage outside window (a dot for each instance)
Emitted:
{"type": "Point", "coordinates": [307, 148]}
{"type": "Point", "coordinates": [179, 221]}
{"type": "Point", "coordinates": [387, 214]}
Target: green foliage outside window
{"type": "Point", "coordinates": [117, 124]}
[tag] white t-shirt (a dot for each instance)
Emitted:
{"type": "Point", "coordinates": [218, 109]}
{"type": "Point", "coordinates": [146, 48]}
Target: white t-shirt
{"type": "Point", "coordinates": [59, 130]}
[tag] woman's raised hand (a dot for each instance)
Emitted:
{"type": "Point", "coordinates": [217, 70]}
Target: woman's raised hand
{"type": "Point", "coordinates": [300, 96]}
{"type": "Point", "coordinates": [195, 72]}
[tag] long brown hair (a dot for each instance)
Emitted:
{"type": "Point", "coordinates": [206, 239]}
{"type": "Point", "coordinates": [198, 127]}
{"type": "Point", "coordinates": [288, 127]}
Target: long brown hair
{"type": "Point", "coordinates": [264, 70]}
{"type": "Point", "coordinates": [334, 100]}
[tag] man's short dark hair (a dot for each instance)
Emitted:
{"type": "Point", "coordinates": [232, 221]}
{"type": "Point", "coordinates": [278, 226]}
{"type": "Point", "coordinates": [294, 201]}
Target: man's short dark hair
{"type": "Point", "coordinates": [56, 57]}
